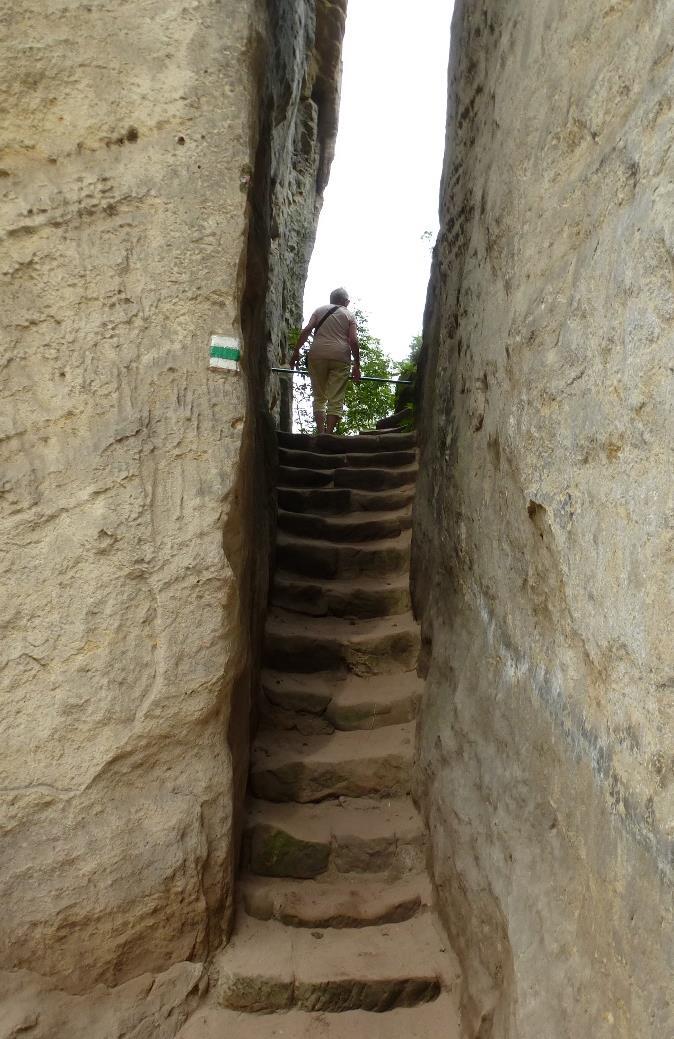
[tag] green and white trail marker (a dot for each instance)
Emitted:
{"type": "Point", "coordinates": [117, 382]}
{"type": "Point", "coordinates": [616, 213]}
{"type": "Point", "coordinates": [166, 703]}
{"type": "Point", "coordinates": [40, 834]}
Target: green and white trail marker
{"type": "Point", "coordinates": [225, 354]}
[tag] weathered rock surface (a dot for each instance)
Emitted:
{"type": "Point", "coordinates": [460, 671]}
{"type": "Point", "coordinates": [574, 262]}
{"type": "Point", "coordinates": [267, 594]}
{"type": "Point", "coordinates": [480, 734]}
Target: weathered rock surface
{"type": "Point", "coordinates": [136, 174]}
{"type": "Point", "coordinates": [147, 1007]}
{"type": "Point", "coordinates": [539, 559]}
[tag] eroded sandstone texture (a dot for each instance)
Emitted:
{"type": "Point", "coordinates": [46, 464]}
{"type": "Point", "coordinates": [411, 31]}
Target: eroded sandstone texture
{"type": "Point", "coordinates": [148, 162]}
{"type": "Point", "coordinates": [540, 536]}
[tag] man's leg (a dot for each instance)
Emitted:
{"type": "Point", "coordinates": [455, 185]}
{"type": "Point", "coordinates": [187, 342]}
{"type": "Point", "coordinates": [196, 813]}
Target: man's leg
{"type": "Point", "coordinates": [318, 374]}
{"type": "Point", "coordinates": [336, 384]}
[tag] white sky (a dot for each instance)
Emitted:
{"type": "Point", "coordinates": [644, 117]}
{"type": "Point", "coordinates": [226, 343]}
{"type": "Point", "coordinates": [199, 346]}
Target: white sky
{"type": "Point", "coordinates": [384, 185]}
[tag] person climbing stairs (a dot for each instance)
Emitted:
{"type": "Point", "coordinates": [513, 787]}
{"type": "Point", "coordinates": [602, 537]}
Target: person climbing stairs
{"type": "Point", "coordinates": [335, 933]}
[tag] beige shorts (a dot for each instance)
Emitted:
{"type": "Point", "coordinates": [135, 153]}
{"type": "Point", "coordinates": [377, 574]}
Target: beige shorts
{"type": "Point", "coordinates": [329, 380]}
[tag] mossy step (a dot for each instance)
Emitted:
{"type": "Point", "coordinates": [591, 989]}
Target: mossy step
{"type": "Point", "coordinates": [286, 766]}
{"type": "Point", "coordinates": [268, 966]}
{"type": "Point", "coordinates": [345, 836]}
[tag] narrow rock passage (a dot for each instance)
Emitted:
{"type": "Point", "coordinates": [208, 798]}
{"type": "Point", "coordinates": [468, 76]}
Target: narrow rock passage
{"type": "Point", "coordinates": [335, 919]}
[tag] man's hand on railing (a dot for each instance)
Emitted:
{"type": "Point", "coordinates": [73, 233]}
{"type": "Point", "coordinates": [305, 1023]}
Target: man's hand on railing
{"type": "Point", "coordinates": [355, 372]}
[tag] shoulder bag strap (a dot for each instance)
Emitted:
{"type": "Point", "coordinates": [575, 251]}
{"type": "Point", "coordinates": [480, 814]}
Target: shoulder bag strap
{"type": "Point", "coordinates": [325, 318]}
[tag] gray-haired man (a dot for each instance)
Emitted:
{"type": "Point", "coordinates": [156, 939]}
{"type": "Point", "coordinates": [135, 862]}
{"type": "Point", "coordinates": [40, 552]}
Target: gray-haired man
{"type": "Point", "coordinates": [335, 342]}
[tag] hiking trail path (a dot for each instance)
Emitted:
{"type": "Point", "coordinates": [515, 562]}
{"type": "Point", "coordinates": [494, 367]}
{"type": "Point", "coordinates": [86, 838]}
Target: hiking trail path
{"type": "Point", "coordinates": [335, 932]}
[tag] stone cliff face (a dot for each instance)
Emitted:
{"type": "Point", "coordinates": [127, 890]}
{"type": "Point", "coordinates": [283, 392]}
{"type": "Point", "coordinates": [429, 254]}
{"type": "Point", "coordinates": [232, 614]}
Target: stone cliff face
{"type": "Point", "coordinates": [150, 183]}
{"type": "Point", "coordinates": [540, 534]}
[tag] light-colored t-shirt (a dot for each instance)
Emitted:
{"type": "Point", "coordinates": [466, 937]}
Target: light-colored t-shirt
{"type": "Point", "coordinates": [331, 342]}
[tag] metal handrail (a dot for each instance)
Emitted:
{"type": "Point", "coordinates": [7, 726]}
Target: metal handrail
{"type": "Point", "coordinates": [363, 378]}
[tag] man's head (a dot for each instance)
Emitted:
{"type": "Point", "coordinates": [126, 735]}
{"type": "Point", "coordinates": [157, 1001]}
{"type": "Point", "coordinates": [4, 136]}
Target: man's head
{"type": "Point", "coordinates": [340, 297]}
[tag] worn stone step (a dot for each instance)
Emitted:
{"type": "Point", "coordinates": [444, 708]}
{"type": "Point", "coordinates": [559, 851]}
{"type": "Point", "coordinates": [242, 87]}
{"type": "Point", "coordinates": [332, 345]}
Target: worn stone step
{"type": "Point", "coordinates": [361, 597]}
{"type": "Point", "coordinates": [314, 558]}
{"type": "Point", "coordinates": [346, 836]}
{"type": "Point", "coordinates": [368, 479]}
{"type": "Point", "coordinates": [286, 766]}
{"type": "Point", "coordinates": [356, 459]}
{"type": "Point", "coordinates": [333, 501]}
{"type": "Point", "coordinates": [350, 901]}
{"type": "Point", "coordinates": [359, 526]}
{"type": "Point", "coordinates": [439, 1019]}
{"type": "Point", "coordinates": [332, 443]}
{"type": "Point", "coordinates": [374, 479]}
{"type": "Point", "coordinates": [347, 704]}
{"type": "Point", "coordinates": [340, 500]}
{"type": "Point", "coordinates": [290, 476]}
{"type": "Point", "coordinates": [268, 966]}
{"type": "Point", "coordinates": [367, 647]}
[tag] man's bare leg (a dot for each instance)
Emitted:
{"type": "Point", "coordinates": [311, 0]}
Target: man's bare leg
{"type": "Point", "coordinates": [319, 416]}
{"type": "Point", "coordinates": [333, 421]}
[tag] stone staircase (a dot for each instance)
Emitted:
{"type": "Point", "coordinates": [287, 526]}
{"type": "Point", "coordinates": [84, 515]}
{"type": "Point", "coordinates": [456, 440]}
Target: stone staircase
{"type": "Point", "coordinates": [335, 934]}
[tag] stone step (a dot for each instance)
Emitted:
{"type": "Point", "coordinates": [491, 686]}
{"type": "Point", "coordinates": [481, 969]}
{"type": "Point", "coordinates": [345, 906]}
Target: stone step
{"type": "Point", "coordinates": [286, 766]}
{"type": "Point", "coordinates": [374, 479]}
{"type": "Point", "coordinates": [334, 444]}
{"type": "Point", "coordinates": [324, 559]}
{"type": "Point", "coordinates": [439, 1019]}
{"type": "Point", "coordinates": [333, 501]}
{"type": "Point", "coordinates": [382, 645]}
{"type": "Point", "coordinates": [268, 966]}
{"type": "Point", "coordinates": [368, 479]}
{"type": "Point", "coordinates": [350, 901]}
{"type": "Point", "coordinates": [361, 597]}
{"type": "Point", "coordinates": [347, 704]}
{"type": "Point", "coordinates": [358, 526]}
{"type": "Point", "coordinates": [344, 836]}
{"type": "Point", "coordinates": [358, 460]}
{"type": "Point", "coordinates": [290, 476]}
{"type": "Point", "coordinates": [340, 500]}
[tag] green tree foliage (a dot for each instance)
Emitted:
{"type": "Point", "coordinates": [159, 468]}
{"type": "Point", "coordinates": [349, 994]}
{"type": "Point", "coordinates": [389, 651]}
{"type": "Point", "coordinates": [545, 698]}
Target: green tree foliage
{"type": "Point", "coordinates": [407, 370]}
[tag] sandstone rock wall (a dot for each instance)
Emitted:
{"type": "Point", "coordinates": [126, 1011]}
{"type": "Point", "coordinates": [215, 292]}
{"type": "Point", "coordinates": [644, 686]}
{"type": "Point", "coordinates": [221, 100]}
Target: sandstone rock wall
{"type": "Point", "coordinates": [540, 553]}
{"type": "Point", "coordinates": [136, 175]}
